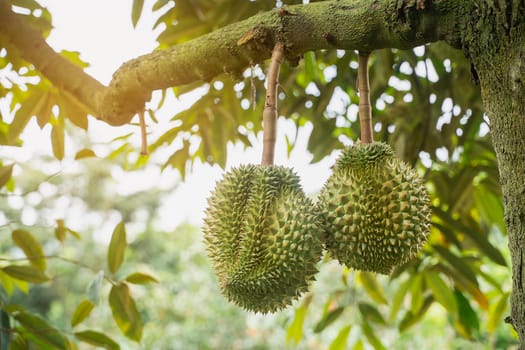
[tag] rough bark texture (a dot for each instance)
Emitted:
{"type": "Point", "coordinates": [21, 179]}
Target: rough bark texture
{"type": "Point", "coordinates": [323, 25]}
{"type": "Point", "coordinates": [52, 65]}
{"type": "Point", "coordinates": [344, 24]}
{"type": "Point", "coordinates": [496, 45]}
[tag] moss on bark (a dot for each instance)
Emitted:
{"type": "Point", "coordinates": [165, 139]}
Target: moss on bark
{"type": "Point", "coordinates": [496, 45]}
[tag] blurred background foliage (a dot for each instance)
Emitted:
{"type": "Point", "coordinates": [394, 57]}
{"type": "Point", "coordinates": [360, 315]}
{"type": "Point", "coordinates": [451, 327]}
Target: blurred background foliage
{"type": "Point", "coordinates": [454, 295]}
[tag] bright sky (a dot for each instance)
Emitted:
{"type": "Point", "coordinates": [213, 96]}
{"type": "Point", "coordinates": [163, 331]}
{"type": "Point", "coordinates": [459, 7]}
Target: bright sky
{"type": "Point", "coordinates": [102, 32]}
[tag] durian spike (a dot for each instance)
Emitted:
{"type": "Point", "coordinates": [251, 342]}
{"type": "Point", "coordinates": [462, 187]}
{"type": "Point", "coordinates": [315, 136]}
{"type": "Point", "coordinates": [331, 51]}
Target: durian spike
{"type": "Point", "coordinates": [365, 110]}
{"type": "Point", "coordinates": [270, 106]}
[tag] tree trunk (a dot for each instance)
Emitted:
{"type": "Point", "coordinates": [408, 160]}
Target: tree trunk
{"type": "Point", "coordinates": [499, 59]}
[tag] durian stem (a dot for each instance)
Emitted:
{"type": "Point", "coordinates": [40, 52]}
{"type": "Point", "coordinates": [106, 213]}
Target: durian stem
{"type": "Point", "coordinates": [270, 106]}
{"type": "Point", "coordinates": [365, 110]}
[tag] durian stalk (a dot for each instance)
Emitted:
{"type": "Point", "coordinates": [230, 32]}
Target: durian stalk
{"type": "Point", "coordinates": [365, 111]}
{"type": "Point", "coordinates": [270, 106]}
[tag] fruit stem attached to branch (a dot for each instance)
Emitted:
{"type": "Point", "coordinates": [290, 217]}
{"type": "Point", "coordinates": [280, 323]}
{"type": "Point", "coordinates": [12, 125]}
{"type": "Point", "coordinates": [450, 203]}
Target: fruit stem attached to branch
{"type": "Point", "coordinates": [365, 110]}
{"type": "Point", "coordinates": [270, 106]}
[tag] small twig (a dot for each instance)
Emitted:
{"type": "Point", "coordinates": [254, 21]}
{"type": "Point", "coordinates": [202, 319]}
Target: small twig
{"type": "Point", "coordinates": [270, 106]}
{"type": "Point", "coordinates": [365, 111]}
{"type": "Point", "coordinates": [35, 188]}
{"type": "Point", "coordinates": [143, 135]}
{"type": "Point", "coordinates": [57, 257]}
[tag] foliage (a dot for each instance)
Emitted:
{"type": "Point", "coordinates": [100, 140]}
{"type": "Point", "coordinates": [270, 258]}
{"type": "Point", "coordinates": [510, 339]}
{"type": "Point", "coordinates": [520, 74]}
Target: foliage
{"type": "Point", "coordinates": [424, 104]}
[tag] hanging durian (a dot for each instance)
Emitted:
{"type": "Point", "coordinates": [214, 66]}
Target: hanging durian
{"type": "Point", "coordinates": [262, 233]}
{"type": "Point", "coordinates": [262, 237]}
{"type": "Point", "coordinates": [377, 208]}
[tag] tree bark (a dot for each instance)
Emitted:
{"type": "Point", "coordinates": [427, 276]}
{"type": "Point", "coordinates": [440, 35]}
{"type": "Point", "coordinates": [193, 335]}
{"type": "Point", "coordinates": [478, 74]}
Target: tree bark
{"type": "Point", "coordinates": [34, 49]}
{"type": "Point", "coordinates": [496, 45]}
{"type": "Point", "coordinates": [339, 24]}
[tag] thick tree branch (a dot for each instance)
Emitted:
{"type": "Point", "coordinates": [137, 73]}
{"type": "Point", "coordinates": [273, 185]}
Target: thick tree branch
{"type": "Point", "coordinates": [34, 49]}
{"type": "Point", "coordinates": [345, 24]}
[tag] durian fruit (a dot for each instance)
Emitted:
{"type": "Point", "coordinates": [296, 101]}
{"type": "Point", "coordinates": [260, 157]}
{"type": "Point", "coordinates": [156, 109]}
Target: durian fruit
{"type": "Point", "coordinates": [263, 237]}
{"type": "Point", "coordinates": [377, 209]}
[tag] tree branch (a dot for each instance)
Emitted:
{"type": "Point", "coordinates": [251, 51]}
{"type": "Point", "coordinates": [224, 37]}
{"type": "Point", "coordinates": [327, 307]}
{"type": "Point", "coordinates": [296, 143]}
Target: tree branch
{"type": "Point", "coordinates": [34, 49]}
{"type": "Point", "coordinates": [345, 24]}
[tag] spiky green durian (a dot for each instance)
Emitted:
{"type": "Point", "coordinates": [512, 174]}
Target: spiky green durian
{"type": "Point", "coordinates": [377, 209]}
{"type": "Point", "coordinates": [262, 236]}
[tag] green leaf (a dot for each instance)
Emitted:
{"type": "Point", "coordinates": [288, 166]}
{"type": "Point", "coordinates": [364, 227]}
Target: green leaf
{"type": "Point", "coordinates": [371, 313]}
{"type": "Point", "coordinates": [5, 174]}
{"type": "Point", "coordinates": [5, 329]}
{"type": "Point", "coordinates": [151, 113]}
{"type": "Point", "coordinates": [82, 311]}
{"type": "Point", "coordinates": [40, 332]}
{"type": "Point", "coordinates": [339, 343]}
{"type": "Point", "coordinates": [442, 293]}
{"type": "Point", "coordinates": [478, 238]}
{"type": "Point", "coordinates": [136, 11]}
{"type": "Point", "coordinates": [14, 308]}
{"type": "Point", "coordinates": [18, 342]}
{"type": "Point", "coordinates": [125, 312]}
{"type": "Point", "coordinates": [26, 273]}
{"type": "Point", "coordinates": [97, 339]}
{"type": "Point", "coordinates": [483, 243]}
{"type": "Point", "coordinates": [44, 113]}
{"type": "Point", "coordinates": [372, 337]}
{"type": "Point", "coordinates": [496, 312]}
{"type": "Point", "coordinates": [468, 320]}
{"type": "Point", "coordinates": [7, 282]}
{"type": "Point", "coordinates": [416, 291]}
{"type": "Point", "coordinates": [310, 66]}
{"type": "Point", "coordinates": [73, 233]}
{"type": "Point", "coordinates": [159, 4]}
{"type": "Point", "coordinates": [141, 278]}
{"type": "Point", "coordinates": [398, 298]}
{"type": "Point", "coordinates": [490, 207]}
{"type": "Point", "coordinates": [407, 321]}
{"type": "Point", "coordinates": [23, 286]}
{"type": "Point", "coordinates": [295, 330]}
{"type": "Point", "coordinates": [372, 288]}
{"type": "Point", "coordinates": [359, 345]}
{"type": "Point", "coordinates": [27, 110]}
{"type": "Point", "coordinates": [74, 57]}
{"type": "Point", "coordinates": [328, 318]}
{"type": "Point", "coordinates": [57, 140]}
{"type": "Point", "coordinates": [465, 284]}
{"type": "Point", "coordinates": [413, 316]}
{"type": "Point", "coordinates": [458, 263]}
{"type": "Point", "coordinates": [84, 153]}
{"type": "Point", "coordinates": [28, 4]}
{"type": "Point", "coordinates": [93, 288]}
{"type": "Point", "coordinates": [73, 110]}
{"type": "Point", "coordinates": [60, 230]}
{"type": "Point", "coordinates": [179, 159]}
{"type": "Point", "coordinates": [117, 248]}
{"type": "Point", "coordinates": [31, 248]}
